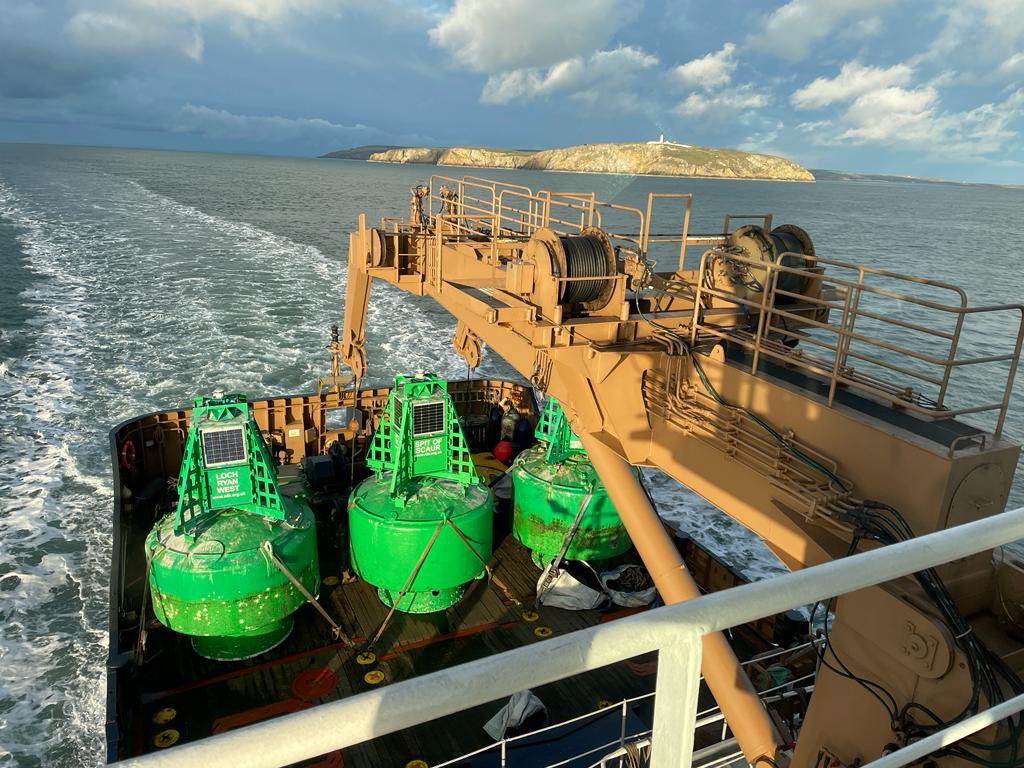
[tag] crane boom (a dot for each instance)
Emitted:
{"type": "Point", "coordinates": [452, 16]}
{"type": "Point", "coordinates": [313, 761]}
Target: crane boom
{"type": "Point", "coordinates": [766, 380]}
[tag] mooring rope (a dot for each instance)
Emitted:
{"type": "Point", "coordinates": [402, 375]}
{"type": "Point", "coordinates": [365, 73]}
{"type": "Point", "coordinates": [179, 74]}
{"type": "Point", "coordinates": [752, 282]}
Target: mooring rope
{"type": "Point", "coordinates": [487, 568]}
{"type": "Point", "coordinates": [339, 633]}
{"type": "Point", "coordinates": [408, 584]}
{"type": "Point", "coordinates": [552, 569]}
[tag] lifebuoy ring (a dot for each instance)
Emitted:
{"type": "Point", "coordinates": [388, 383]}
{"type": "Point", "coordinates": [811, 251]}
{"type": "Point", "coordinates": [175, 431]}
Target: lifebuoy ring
{"type": "Point", "coordinates": [128, 455]}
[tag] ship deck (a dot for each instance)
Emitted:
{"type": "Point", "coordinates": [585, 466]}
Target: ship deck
{"type": "Point", "coordinates": [161, 692]}
{"type": "Point", "coordinates": [210, 697]}
{"type": "Point", "coordinates": [194, 697]}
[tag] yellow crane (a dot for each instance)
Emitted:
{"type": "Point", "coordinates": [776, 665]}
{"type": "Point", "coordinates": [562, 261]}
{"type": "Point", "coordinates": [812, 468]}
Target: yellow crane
{"type": "Point", "coordinates": [810, 399]}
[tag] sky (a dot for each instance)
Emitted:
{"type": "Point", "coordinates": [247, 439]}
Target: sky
{"type": "Point", "coordinates": [927, 88]}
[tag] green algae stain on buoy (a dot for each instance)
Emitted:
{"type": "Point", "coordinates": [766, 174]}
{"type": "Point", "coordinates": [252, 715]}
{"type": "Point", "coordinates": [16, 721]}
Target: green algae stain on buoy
{"type": "Point", "coordinates": [551, 481]}
{"type": "Point", "coordinates": [421, 528]}
{"type": "Point", "coordinates": [210, 573]}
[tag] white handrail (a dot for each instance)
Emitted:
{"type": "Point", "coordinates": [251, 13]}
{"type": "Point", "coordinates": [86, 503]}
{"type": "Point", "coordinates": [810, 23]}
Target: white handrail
{"type": "Point", "coordinates": [924, 747]}
{"type": "Point", "coordinates": [674, 630]}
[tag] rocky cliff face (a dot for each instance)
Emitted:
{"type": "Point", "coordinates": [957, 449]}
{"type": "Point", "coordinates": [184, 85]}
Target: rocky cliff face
{"type": "Point", "coordinates": [668, 160]}
{"type": "Point", "coordinates": [633, 159]}
{"type": "Point", "coordinates": [408, 155]}
{"type": "Point", "coordinates": [481, 157]}
{"type": "Point", "coordinates": [477, 157]}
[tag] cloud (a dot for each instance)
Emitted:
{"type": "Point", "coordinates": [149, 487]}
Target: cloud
{"type": "Point", "coordinates": [714, 98]}
{"type": "Point", "coordinates": [722, 104]}
{"type": "Point", "coordinates": [221, 123]}
{"type": "Point", "coordinates": [913, 118]}
{"type": "Point", "coordinates": [883, 106]}
{"type": "Point", "coordinates": [604, 75]}
{"type": "Point", "coordinates": [1013, 65]}
{"type": "Point", "coordinates": [124, 26]}
{"type": "Point", "coordinates": [120, 33]}
{"type": "Point", "coordinates": [892, 114]}
{"type": "Point", "coordinates": [791, 30]}
{"type": "Point", "coordinates": [708, 72]}
{"type": "Point", "coordinates": [853, 80]}
{"type": "Point", "coordinates": [763, 141]}
{"type": "Point", "coordinates": [1000, 23]}
{"type": "Point", "coordinates": [492, 37]}
{"type": "Point", "coordinates": [815, 125]}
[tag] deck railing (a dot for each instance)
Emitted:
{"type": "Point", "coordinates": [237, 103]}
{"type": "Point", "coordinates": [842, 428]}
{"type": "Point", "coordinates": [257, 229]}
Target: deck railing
{"type": "Point", "coordinates": [493, 211]}
{"type": "Point", "coordinates": [675, 631]}
{"type": "Point", "coordinates": [723, 749]}
{"type": "Point", "coordinates": [893, 336]}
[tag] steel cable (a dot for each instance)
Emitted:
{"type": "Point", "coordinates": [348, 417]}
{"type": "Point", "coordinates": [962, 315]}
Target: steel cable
{"type": "Point", "coordinates": [584, 257]}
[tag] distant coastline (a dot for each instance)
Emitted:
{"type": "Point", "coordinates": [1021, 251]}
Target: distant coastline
{"type": "Point", "coordinates": [824, 175]}
{"type": "Point", "coordinates": [656, 158]}
{"type": "Point", "coordinates": [432, 155]}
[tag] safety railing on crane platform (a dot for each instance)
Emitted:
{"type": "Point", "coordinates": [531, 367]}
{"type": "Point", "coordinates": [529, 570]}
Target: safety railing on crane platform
{"type": "Point", "coordinates": [675, 631]}
{"type": "Point", "coordinates": [875, 331]}
{"type": "Point", "coordinates": [475, 207]}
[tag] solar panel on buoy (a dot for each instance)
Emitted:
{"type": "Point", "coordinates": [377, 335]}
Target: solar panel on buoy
{"type": "Point", "coordinates": [223, 446]}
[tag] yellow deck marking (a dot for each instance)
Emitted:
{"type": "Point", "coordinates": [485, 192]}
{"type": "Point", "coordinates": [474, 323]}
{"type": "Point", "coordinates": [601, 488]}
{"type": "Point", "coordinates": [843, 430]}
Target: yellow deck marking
{"type": "Point", "coordinates": [166, 739]}
{"type": "Point", "coordinates": [165, 715]}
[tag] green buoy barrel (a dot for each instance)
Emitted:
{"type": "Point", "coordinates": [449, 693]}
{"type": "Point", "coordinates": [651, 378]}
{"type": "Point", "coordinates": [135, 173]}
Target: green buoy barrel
{"type": "Point", "coordinates": [387, 539]}
{"type": "Point", "coordinates": [547, 499]}
{"type": "Point", "coordinates": [221, 587]}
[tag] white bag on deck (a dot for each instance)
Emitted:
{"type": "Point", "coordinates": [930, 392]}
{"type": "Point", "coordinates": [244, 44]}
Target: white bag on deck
{"type": "Point", "coordinates": [565, 591]}
{"type": "Point", "coordinates": [521, 706]}
{"type": "Point", "coordinates": [636, 599]}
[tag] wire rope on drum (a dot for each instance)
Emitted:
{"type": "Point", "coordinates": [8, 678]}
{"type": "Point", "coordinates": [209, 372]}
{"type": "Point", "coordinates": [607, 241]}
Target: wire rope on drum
{"type": "Point", "coordinates": [585, 256]}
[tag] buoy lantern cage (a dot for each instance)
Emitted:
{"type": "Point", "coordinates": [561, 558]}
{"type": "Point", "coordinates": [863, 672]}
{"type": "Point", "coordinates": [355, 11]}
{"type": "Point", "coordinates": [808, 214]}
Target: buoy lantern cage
{"type": "Point", "coordinates": [420, 528]}
{"type": "Point", "coordinates": [217, 563]}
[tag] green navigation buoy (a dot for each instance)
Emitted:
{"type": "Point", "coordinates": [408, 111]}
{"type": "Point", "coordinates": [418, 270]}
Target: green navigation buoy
{"type": "Point", "coordinates": [212, 569]}
{"type": "Point", "coordinates": [550, 482]}
{"type": "Point", "coordinates": [421, 527]}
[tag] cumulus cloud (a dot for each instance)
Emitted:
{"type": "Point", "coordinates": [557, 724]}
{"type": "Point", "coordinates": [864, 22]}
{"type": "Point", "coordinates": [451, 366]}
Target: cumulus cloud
{"type": "Point", "coordinates": [708, 72]}
{"type": "Point", "coordinates": [721, 104]}
{"type": "Point", "coordinates": [1000, 23]}
{"type": "Point", "coordinates": [604, 75]}
{"type": "Point", "coordinates": [853, 80]}
{"type": "Point", "coordinates": [491, 37]}
{"type": "Point", "coordinates": [881, 106]}
{"type": "Point", "coordinates": [893, 113]}
{"type": "Point", "coordinates": [792, 30]}
{"type": "Point", "coordinates": [137, 25]}
{"type": "Point", "coordinates": [713, 95]}
{"type": "Point", "coordinates": [914, 118]}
